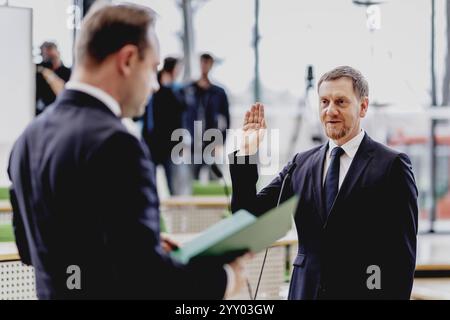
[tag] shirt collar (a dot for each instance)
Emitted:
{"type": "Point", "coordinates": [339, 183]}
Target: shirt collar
{"type": "Point", "coordinates": [97, 93]}
{"type": "Point", "coordinates": [350, 147]}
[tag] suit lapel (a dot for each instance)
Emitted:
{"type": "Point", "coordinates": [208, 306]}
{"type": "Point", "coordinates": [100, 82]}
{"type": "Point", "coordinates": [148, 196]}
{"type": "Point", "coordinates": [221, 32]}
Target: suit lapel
{"type": "Point", "coordinates": [362, 158]}
{"type": "Point", "coordinates": [317, 171]}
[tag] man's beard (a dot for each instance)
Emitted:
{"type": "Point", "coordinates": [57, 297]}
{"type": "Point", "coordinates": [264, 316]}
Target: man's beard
{"type": "Point", "coordinates": [336, 133]}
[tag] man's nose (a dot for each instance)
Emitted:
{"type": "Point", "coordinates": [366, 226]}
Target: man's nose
{"type": "Point", "coordinates": [332, 109]}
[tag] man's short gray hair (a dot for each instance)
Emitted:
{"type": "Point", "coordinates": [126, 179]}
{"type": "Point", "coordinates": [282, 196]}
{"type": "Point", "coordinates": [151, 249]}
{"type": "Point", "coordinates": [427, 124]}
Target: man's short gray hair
{"type": "Point", "coordinates": [360, 84]}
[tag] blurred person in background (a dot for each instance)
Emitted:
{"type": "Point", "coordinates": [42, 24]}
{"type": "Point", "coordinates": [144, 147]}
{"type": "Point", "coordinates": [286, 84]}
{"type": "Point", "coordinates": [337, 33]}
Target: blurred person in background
{"type": "Point", "coordinates": [164, 115]}
{"type": "Point", "coordinates": [208, 104]}
{"type": "Point", "coordinates": [51, 76]}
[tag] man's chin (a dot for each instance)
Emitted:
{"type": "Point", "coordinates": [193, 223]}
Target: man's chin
{"type": "Point", "coordinates": [335, 134]}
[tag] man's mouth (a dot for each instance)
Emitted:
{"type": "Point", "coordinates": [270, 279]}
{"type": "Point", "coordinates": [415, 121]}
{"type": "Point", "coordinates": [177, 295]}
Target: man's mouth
{"type": "Point", "coordinates": [334, 121]}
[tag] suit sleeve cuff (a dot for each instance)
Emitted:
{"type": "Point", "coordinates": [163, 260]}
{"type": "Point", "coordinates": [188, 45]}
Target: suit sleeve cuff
{"type": "Point", "coordinates": [237, 158]}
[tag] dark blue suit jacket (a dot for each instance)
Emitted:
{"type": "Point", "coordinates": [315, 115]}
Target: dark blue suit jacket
{"type": "Point", "coordinates": [83, 193]}
{"type": "Point", "coordinates": [373, 222]}
{"type": "Point", "coordinates": [215, 103]}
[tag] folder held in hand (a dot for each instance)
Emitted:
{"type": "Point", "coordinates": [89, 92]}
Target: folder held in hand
{"type": "Point", "coordinates": [242, 231]}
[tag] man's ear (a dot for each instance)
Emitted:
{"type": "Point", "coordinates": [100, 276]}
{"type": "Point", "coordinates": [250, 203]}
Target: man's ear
{"type": "Point", "coordinates": [125, 58]}
{"type": "Point", "coordinates": [364, 106]}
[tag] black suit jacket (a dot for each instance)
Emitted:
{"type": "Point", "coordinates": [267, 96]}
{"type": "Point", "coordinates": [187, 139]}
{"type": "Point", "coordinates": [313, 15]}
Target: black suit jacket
{"type": "Point", "coordinates": [212, 102]}
{"type": "Point", "coordinates": [44, 93]}
{"type": "Point", "coordinates": [83, 193]}
{"type": "Point", "coordinates": [372, 223]}
{"type": "Point", "coordinates": [167, 108]}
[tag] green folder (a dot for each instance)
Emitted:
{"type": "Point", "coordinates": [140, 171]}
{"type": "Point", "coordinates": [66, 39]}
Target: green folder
{"type": "Point", "coordinates": [242, 231]}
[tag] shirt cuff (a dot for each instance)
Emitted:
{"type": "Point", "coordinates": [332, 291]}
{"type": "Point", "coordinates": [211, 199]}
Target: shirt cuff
{"type": "Point", "coordinates": [238, 157]}
{"type": "Point", "coordinates": [230, 280]}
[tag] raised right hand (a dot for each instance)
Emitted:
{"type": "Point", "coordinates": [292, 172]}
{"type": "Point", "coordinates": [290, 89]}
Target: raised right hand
{"type": "Point", "coordinates": [253, 130]}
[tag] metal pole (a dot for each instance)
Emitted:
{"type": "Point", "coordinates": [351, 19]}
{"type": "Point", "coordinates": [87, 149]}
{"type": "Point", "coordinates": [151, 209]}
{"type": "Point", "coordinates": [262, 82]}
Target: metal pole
{"type": "Point", "coordinates": [257, 90]}
{"type": "Point", "coordinates": [79, 4]}
{"type": "Point", "coordinates": [188, 39]}
{"type": "Point", "coordinates": [433, 124]}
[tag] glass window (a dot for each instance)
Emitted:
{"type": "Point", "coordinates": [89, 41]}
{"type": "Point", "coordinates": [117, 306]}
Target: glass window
{"type": "Point", "coordinates": [51, 22]}
{"type": "Point", "coordinates": [225, 29]}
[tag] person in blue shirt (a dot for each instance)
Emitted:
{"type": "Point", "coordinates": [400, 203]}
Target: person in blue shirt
{"type": "Point", "coordinates": [207, 103]}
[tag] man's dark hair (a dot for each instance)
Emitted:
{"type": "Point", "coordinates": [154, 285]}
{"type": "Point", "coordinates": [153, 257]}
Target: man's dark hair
{"type": "Point", "coordinates": [107, 29]}
{"type": "Point", "coordinates": [48, 45]}
{"type": "Point", "coordinates": [207, 56]}
{"type": "Point", "coordinates": [170, 64]}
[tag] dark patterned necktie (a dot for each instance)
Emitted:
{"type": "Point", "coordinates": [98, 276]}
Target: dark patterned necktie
{"type": "Point", "coordinates": [331, 186]}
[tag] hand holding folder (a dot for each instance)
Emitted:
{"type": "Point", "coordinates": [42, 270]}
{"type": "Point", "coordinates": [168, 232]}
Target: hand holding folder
{"type": "Point", "coordinates": [240, 233]}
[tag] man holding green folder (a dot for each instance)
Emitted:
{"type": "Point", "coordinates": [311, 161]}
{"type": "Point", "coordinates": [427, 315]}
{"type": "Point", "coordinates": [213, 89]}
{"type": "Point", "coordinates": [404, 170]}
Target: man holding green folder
{"type": "Point", "coordinates": [357, 214]}
{"type": "Point", "coordinates": [86, 210]}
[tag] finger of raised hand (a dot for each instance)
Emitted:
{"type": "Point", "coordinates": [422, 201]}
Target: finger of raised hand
{"type": "Point", "coordinates": [253, 114]}
{"type": "Point", "coordinates": [256, 112]}
{"type": "Point", "coordinates": [247, 117]}
{"type": "Point", "coordinates": [261, 114]}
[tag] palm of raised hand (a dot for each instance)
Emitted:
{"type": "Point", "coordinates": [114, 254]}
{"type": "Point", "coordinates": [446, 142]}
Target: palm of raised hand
{"type": "Point", "coordinates": [253, 130]}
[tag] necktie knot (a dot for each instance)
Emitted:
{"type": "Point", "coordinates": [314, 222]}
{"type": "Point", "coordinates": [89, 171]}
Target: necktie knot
{"type": "Point", "coordinates": [337, 152]}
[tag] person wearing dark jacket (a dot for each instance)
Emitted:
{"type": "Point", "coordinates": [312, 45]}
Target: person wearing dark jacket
{"type": "Point", "coordinates": [167, 107]}
{"type": "Point", "coordinates": [357, 213]}
{"type": "Point", "coordinates": [83, 188]}
{"type": "Point", "coordinates": [51, 76]}
{"type": "Point", "coordinates": [207, 105]}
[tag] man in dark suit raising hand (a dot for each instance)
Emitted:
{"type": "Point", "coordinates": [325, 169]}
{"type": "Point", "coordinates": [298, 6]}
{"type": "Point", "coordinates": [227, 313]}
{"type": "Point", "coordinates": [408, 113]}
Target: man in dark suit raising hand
{"type": "Point", "coordinates": [357, 214]}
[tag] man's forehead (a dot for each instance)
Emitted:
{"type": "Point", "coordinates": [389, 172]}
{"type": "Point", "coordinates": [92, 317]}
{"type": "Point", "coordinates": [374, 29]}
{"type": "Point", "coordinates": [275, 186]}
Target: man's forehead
{"type": "Point", "coordinates": [340, 86]}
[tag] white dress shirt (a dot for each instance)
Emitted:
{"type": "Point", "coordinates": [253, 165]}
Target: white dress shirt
{"type": "Point", "coordinates": [350, 148]}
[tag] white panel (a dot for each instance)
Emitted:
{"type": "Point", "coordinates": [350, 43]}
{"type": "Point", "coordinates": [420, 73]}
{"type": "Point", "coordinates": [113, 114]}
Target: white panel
{"type": "Point", "coordinates": [17, 281]}
{"type": "Point", "coordinates": [16, 79]}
